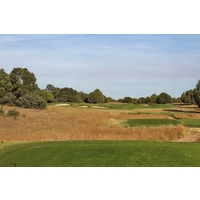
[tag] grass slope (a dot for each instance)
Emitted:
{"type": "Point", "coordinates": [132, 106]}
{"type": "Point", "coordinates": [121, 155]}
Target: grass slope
{"type": "Point", "coordinates": [151, 122]}
{"type": "Point", "coordinates": [191, 122]}
{"type": "Point", "coordinates": [100, 154]}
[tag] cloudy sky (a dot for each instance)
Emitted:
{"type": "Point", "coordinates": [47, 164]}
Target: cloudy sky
{"type": "Point", "coordinates": [118, 64]}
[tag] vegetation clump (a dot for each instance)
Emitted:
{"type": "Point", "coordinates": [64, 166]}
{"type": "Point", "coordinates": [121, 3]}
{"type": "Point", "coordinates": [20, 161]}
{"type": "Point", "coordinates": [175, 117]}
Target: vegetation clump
{"type": "Point", "coordinates": [197, 94]}
{"type": "Point", "coordinates": [13, 113]}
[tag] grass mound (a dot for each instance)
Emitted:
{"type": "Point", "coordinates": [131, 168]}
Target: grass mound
{"type": "Point", "coordinates": [100, 154]}
{"type": "Point", "coordinates": [151, 122]}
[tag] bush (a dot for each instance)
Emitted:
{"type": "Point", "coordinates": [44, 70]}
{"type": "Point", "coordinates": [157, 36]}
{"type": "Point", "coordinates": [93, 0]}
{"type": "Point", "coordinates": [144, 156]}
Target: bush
{"type": "Point", "coordinates": [96, 97]}
{"type": "Point", "coordinates": [197, 94]}
{"type": "Point", "coordinates": [31, 101]}
{"type": "Point", "coordinates": [13, 113]}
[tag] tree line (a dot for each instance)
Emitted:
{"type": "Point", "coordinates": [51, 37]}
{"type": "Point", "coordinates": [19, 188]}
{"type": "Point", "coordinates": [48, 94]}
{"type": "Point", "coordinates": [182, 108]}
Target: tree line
{"type": "Point", "coordinates": [19, 88]}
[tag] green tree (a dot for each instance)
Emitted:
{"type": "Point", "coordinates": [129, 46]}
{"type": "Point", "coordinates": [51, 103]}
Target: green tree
{"type": "Point", "coordinates": [68, 95]}
{"type": "Point", "coordinates": [197, 93]}
{"type": "Point", "coordinates": [83, 96]}
{"type": "Point", "coordinates": [5, 88]}
{"type": "Point", "coordinates": [127, 100]}
{"type": "Point", "coordinates": [154, 98]}
{"type": "Point", "coordinates": [55, 91]}
{"type": "Point", "coordinates": [47, 96]}
{"type": "Point", "coordinates": [148, 100]}
{"type": "Point", "coordinates": [164, 98]}
{"type": "Point", "coordinates": [23, 81]}
{"type": "Point", "coordinates": [96, 97]}
{"type": "Point", "coordinates": [31, 100]}
{"type": "Point", "coordinates": [188, 97]}
{"type": "Point", "coordinates": [142, 100]}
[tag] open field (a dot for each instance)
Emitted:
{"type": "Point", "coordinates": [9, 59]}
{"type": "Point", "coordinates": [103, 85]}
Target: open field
{"type": "Point", "coordinates": [94, 123]}
{"type": "Point", "coordinates": [99, 154]}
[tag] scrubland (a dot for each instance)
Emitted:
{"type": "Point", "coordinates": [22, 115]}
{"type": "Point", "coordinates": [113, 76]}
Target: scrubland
{"type": "Point", "coordinates": [80, 123]}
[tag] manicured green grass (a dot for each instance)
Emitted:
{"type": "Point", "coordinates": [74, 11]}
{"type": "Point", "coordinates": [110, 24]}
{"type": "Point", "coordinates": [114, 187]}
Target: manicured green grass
{"type": "Point", "coordinates": [138, 106]}
{"type": "Point", "coordinates": [99, 154]}
{"type": "Point", "coordinates": [151, 122]}
{"type": "Point", "coordinates": [190, 122]}
{"type": "Point", "coordinates": [120, 106]}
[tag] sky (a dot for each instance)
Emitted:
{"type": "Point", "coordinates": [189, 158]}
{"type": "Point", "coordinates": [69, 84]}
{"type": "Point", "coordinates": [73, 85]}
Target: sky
{"type": "Point", "coordinates": [120, 65]}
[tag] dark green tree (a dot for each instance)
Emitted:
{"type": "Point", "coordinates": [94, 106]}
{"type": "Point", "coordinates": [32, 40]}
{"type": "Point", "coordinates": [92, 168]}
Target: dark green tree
{"type": "Point", "coordinates": [68, 95]}
{"type": "Point", "coordinates": [127, 100]}
{"type": "Point", "coordinates": [197, 94]}
{"type": "Point", "coordinates": [96, 97]}
{"type": "Point", "coordinates": [55, 91]}
{"type": "Point", "coordinates": [164, 98]}
{"type": "Point", "coordinates": [23, 81]}
{"type": "Point", "coordinates": [148, 100]}
{"type": "Point", "coordinates": [83, 96]}
{"type": "Point", "coordinates": [142, 100]}
{"type": "Point", "coordinates": [6, 96]}
{"type": "Point", "coordinates": [110, 99]}
{"type": "Point", "coordinates": [188, 97]}
{"type": "Point", "coordinates": [47, 96]}
{"type": "Point", "coordinates": [31, 100]}
{"type": "Point", "coordinates": [154, 98]}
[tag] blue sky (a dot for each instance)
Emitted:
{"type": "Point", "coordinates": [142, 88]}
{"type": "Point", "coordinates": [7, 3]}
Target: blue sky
{"type": "Point", "coordinates": [119, 65]}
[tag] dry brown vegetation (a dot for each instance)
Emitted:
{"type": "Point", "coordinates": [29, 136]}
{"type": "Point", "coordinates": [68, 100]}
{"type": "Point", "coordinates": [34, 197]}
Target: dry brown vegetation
{"type": "Point", "coordinates": [68, 123]}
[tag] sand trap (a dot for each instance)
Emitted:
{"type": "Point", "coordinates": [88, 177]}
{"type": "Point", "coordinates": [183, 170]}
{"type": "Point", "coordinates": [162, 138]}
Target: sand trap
{"type": "Point", "coordinates": [63, 104]}
{"type": "Point", "coordinates": [98, 107]}
{"type": "Point", "coordinates": [84, 106]}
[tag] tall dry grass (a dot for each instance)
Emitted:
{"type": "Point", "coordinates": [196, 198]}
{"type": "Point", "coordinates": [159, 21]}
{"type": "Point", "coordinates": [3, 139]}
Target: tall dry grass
{"type": "Point", "coordinates": [58, 123]}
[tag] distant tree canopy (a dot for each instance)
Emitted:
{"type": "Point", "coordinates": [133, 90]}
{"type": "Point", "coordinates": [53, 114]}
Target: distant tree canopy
{"type": "Point", "coordinates": [188, 97]}
{"type": "Point", "coordinates": [64, 94]}
{"type": "Point", "coordinates": [6, 95]}
{"type": "Point", "coordinates": [127, 100]}
{"type": "Point", "coordinates": [23, 81]}
{"type": "Point", "coordinates": [164, 98]}
{"type": "Point", "coordinates": [96, 97]}
{"type": "Point", "coordinates": [19, 88]}
{"type": "Point", "coordinates": [197, 94]}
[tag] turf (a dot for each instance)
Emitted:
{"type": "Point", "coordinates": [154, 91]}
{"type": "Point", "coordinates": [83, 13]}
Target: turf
{"type": "Point", "coordinates": [151, 122]}
{"type": "Point", "coordinates": [123, 106]}
{"type": "Point", "coordinates": [138, 106]}
{"type": "Point", "coordinates": [191, 122]}
{"type": "Point", "coordinates": [100, 154]}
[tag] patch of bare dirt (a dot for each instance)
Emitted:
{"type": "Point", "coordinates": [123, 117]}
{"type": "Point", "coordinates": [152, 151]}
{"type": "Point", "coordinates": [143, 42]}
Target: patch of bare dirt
{"type": "Point", "coordinates": [193, 135]}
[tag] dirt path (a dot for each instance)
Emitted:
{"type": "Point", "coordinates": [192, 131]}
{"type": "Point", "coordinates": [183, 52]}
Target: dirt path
{"type": "Point", "coordinates": [193, 135]}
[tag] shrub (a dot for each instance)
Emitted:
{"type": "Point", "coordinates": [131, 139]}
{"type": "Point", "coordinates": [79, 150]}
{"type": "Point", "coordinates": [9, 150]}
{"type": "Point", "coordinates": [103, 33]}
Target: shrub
{"type": "Point", "coordinates": [96, 97]}
{"type": "Point", "coordinates": [13, 113]}
{"type": "Point", "coordinates": [31, 101]}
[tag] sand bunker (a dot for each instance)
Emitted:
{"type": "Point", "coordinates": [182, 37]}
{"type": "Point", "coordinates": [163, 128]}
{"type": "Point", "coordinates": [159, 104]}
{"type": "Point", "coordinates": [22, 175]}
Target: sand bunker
{"type": "Point", "coordinates": [63, 104]}
{"type": "Point", "coordinates": [98, 107]}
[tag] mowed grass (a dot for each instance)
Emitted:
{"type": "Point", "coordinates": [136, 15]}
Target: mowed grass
{"type": "Point", "coordinates": [100, 154]}
{"type": "Point", "coordinates": [191, 122]}
{"type": "Point", "coordinates": [151, 122]}
{"type": "Point", "coordinates": [124, 106]}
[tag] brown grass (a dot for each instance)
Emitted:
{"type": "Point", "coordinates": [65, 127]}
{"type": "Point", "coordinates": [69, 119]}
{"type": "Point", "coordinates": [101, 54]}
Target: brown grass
{"type": "Point", "coordinates": [68, 123]}
{"type": "Point", "coordinates": [186, 116]}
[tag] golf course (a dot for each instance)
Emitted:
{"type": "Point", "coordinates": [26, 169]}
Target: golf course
{"type": "Point", "coordinates": [101, 135]}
